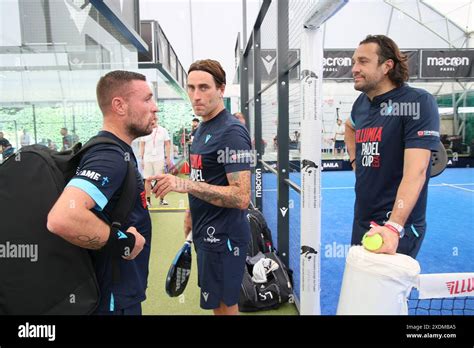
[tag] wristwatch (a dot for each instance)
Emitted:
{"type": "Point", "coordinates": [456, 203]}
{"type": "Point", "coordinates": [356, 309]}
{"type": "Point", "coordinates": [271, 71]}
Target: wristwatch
{"type": "Point", "coordinates": [398, 227]}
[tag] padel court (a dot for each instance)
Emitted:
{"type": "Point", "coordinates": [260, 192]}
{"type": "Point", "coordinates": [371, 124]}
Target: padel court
{"type": "Point", "coordinates": [447, 248]}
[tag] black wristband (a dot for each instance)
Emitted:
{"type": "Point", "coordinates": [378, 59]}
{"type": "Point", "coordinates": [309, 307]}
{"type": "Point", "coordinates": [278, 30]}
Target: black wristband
{"type": "Point", "coordinates": [125, 243]}
{"type": "Point", "coordinates": [352, 161]}
{"type": "Point", "coordinates": [120, 243]}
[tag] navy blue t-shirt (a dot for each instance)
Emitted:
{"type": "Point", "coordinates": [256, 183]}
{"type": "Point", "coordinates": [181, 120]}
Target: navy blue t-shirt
{"type": "Point", "coordinates": [220, 146]}
{"type": "Point", "coordinates": [101, 175]}
{"type": "Point", "coordinates": [402, 118]}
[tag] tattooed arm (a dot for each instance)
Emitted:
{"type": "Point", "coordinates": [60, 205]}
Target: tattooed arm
{"type": "Point", "coordinates": [71, 219]}
{"type": "Point", "coordinates": [236, 195]}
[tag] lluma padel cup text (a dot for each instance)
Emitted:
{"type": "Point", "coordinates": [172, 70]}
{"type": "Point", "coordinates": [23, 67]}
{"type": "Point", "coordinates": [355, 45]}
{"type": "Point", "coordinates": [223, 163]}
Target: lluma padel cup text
{"type": "Point", "coordinates": [370, 138]}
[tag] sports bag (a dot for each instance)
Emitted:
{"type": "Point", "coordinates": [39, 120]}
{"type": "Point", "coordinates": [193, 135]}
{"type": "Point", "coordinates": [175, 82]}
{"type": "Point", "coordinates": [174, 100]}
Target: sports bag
{"type": "Point", "coordinates": [40, 272]}
{"type": "Point", "coordinates": [272, 294]}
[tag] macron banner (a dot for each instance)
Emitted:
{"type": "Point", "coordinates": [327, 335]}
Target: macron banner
{"type": "Point", "coordinates": [447, 64]}
{"type": "Point", "coordinates": [337, 64]}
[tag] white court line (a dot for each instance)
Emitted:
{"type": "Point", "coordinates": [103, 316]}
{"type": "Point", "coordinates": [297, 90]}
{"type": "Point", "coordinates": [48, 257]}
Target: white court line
{"type": "Point", "coordinates": [460, 188]}
{"type": "Point", "coordinates": [431, 185]}
{"type": "Point", "coordinates": [338, 188]}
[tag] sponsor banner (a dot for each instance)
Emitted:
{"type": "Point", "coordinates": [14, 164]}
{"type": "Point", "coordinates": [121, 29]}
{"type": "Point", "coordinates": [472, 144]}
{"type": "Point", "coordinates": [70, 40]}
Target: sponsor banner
{"type": "Point", "coordinates": [311, 123]}
{"type": "Point", "coordinates": [447, 64]}
{"type": "Point", "coordinates": [258, 183]}
{"type": "Point", "coordinates": [446, 285]}
{"type": "Point", "coordinates": [460, 162]}
{"type": "Point", "coordinates": [413, 63]}
{"type": "Point", "coordinates": [337, 64]}
{"type": "Point", "coordinates": [332, 165]}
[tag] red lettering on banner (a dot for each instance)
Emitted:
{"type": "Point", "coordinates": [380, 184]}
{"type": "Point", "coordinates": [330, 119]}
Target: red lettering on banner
{"type": "Point", "coordinates": [460, 286]}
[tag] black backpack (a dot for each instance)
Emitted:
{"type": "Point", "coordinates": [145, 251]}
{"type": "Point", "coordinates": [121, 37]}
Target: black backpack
{"type": "Point", "coordinates": [62, 279]}
{"type": "Point", "coordinates": [269, 295]}
{"type": "Point", "coordinates": [260, 234]}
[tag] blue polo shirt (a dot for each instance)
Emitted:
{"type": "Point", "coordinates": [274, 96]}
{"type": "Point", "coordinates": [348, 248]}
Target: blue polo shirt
{"type": "Point", "coordinates": [400, 119]}
{"type": "Point", "coordinates": [220, 146]}
{"type": "Point", "coordinates": [101, 175]}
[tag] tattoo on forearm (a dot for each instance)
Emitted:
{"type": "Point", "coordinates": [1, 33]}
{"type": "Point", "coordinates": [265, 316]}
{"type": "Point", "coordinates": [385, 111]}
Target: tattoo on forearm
{"type": "Point", "coordinates": [91, 242]}
{"type": "Point", "coordinates": [235, 176]}
{"type": "Point", "coordinates": [231, 196]}
{"type": "Point", "coordinates": [214, 196]}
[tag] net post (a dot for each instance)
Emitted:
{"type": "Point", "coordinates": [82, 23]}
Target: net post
{"type": "Point", "coordinates": [311, 123]}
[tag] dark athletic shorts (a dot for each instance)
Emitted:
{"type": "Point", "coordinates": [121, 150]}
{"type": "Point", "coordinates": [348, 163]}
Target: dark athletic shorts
{"type": "Point", "coordinates": [220, 276]}
{"type": "Point", "coordinates": [340, 144]}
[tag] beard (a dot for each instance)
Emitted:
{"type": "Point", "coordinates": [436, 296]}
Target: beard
{"type": "Point", "coordinates": [366, 87]}
{"type": "Point", "coordinates": [137, 130]}
{"type": "Point", "coordinates": [369, 83]}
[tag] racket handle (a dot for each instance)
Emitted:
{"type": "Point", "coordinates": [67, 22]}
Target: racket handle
{"type": "Point", "coordinates": [189, 238]}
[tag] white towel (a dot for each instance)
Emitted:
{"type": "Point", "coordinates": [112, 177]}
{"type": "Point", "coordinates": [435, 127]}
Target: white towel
{"type": "Point", "coordinates": [262, 268]}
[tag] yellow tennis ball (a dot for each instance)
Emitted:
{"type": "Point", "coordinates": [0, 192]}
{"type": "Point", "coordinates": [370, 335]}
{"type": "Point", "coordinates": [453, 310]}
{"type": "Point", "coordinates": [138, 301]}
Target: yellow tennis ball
{"type": "Point", "coordinates": [372, 242]}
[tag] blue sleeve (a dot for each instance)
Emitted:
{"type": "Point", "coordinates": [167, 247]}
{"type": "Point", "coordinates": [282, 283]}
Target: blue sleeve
{"type": "Point", "coordinates": [100, 174]}
{"type": "Point", "coordinates": [236, 151]}
{"type": "Point", "coordinates": [422, 129]}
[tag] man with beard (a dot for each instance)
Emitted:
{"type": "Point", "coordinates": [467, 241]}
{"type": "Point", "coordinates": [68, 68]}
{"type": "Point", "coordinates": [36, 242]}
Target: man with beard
{"type": "Point", "coordinates": [128, 108]}
{"type": "Point", "coordinates": [389, 136]}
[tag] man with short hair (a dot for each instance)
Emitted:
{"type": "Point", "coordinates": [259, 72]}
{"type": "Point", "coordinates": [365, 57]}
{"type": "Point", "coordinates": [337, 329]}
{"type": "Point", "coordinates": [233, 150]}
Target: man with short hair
{"type": "Point", "coordinates": [389, 136]}
{"type": "Point", "coordinates": [154, 154]}
{"type": "Point", "coordinates": [68, 140]}
{"type": "Point", "coordinates": [128, 107]}
{"type": "Point", "coordinates": [219, 190]}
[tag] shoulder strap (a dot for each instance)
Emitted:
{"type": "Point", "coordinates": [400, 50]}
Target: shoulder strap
{"type": "Point", "coordinates": [127, 199]}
